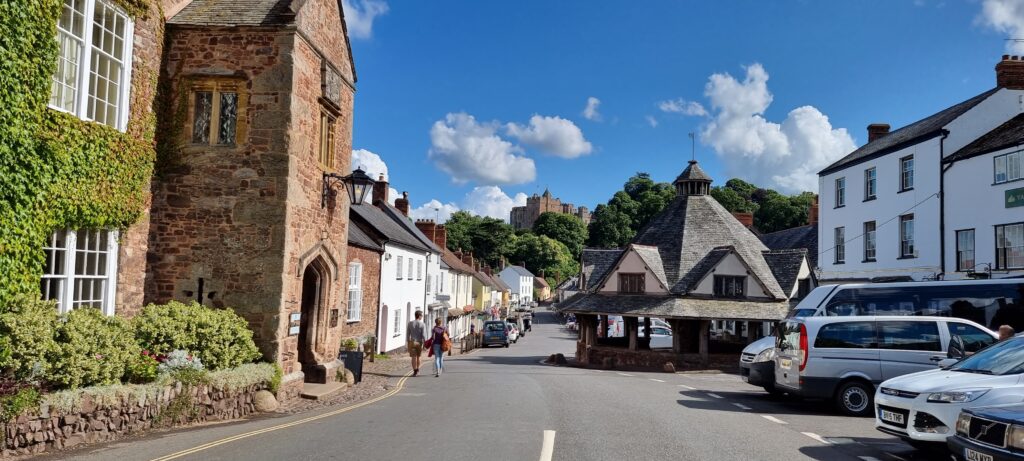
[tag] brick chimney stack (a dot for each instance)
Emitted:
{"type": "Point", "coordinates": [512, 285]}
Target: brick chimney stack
{"type": "Point", "coordinates": [1010, 72]}
{"type": "Point", "coordinates": [380, 189]}
{"type": "Point", "coordinates": [812, 213]}
{"type": "Point", "coordinates": [433, 231]}
{"type": "Point", "coordinates": [877, 130]}
{"type": "Point", "coordinates": [467, 258]}
{"type": "Point", "coordinates": [747, 219]}
{"type": "Point", "coordinates": [403, 203]}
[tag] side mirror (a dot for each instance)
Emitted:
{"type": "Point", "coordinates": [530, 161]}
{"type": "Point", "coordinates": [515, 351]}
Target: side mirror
{"type": "Point", "coordinates": [946, 363]}
{"type": "Point", "coordinates": [956, 348]}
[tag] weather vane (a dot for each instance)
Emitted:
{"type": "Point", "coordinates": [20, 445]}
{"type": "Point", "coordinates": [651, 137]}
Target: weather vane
{"type": "Point", "coordinates": [693, 146]}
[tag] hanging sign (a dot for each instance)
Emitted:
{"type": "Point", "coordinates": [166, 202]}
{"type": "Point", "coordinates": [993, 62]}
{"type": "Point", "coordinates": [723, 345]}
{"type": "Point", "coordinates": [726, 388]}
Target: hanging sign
{"type": "Point", "coordinates": [1015, 197]}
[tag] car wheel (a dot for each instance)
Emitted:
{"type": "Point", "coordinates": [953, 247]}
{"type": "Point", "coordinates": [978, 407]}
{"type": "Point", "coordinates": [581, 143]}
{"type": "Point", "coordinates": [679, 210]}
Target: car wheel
{"type": "Point", "coordinates": [506, 344]}
{"type": "Point", "coordinates": [855, 398]}
{"type": "Point", "coordinates": [773, 391]}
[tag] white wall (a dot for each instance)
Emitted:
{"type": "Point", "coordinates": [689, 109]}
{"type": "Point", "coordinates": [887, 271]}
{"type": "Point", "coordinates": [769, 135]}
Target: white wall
{"type": "Point", "coordinates": [974, 202]}
{"type": "Point", "coordinates": [730, 265]}
{"type": "Point", "coordinates": [631, 263]}
{"type": "Point", "coordinates": [399, 297]}
{"type": "Point", "coordinates": [520, 284]}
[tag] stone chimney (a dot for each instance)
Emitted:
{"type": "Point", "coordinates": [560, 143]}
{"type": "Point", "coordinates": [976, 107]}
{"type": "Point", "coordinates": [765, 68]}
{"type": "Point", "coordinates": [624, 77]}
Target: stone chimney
{"type": "Point", "coordinates": [434, 232]}
{"type": "Point", "coordinates": [812, 213]}
{"type": "Point", "coordinates": [467, 258]}
{"type": "Point", "coordinates": [747, 219]}
{"type": "Point", "coordinates": [1010, 73]}
{"type": "Point", "coordinates": [403, 203]}
{"type": "Point", "coordinates": [877, 130]}
{"type": "Point", "coordinates": [380, 189]}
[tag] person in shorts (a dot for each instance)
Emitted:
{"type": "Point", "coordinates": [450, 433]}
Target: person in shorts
{"type": "Point", "coordinates": [415, 334]}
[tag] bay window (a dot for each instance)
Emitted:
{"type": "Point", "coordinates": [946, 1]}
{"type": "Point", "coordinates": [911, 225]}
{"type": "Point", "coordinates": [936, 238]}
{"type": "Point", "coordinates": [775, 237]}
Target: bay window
{"type": "Point", "coordinates": [80, 269]}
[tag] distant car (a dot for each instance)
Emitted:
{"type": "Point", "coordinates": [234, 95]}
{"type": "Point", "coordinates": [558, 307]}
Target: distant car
{"type": "Point", "coordinates": [495, 332]}
{"type": "Point", "coordinates": [989, 433]}
{"type": "Point", "coordinates": [661, 337]}
{"type": "Point", "coordinates": [513, 333]}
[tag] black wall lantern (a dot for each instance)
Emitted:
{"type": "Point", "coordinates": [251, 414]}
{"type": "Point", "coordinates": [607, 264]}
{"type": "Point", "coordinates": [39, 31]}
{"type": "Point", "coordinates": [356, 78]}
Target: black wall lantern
{"type": "Point", "coordinates": [358, 184]}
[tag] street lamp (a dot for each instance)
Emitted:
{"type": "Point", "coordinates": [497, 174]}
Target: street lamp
{"type": "Point", "coordinates": [358, 184]}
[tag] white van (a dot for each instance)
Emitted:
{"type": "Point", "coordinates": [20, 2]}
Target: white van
{"type": "Point", "coordinates": [988, 302]}
{"type": "Point", "coordinates": [844, 358]}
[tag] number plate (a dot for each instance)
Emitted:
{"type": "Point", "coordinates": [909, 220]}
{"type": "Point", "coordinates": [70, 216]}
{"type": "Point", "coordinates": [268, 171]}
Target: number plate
{"type": "Point", "coordinates": [972, 455]}
{"type": "Point", "coordinates": [892, 417]}
{"type": "Point", "coordinates": [786, 363]}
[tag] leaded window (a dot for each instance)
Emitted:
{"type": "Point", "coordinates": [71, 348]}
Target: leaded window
{"type": "Point", "coordinates": [215, 111]}
{"type": "Point", "coordinates": [326, 152]}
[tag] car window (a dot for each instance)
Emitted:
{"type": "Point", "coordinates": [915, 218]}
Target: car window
{"type": "Point", "coordinates": [660, 331]}
{"type": "Point", "coordinates": [909, 336]}
{"type": "Point", "coordinates": [1003, 358]}
{"type": "Point", "coordinates": [494, 327]}
{"type": "Point", "coordinates": [975, 339]}
{"type": "Point", "coordinates": [790, 337]}
{"type": "Point", "coordinates": [799, 313]}
{"type": "Point", "coordinates": [847, 335]}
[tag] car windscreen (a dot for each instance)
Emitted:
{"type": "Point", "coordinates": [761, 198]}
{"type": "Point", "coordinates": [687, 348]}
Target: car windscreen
{"type": "Point", "coordinates": [1005, 358]}
{"type": "Point", "coordinates": [799, 313]}
{"type": "Point", "coordinates": [494, 327]}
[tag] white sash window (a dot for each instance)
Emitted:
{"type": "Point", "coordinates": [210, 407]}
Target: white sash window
{"type": "Point", "coordinates": [81, 269]}
{"type": "Point", "coordinates": [355, 291]}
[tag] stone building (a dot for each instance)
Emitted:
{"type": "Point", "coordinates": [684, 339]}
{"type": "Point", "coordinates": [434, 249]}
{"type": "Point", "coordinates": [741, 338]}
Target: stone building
{"type": "Point", "coordinates": [523, 217]}
{"type": "Point", "coordinates": [364, 255]}
{"type": "Point", "coordinates": [262, 107]}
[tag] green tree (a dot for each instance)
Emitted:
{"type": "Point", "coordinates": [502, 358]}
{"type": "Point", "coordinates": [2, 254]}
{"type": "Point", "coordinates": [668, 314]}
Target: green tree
{"type": "Point", "coordinates": [460, 228]}
{"type": "Point", "coordinates": [488, 238]}
{"type": "Point", "coordinates": [609, 227]}
{"type": "Point", "coordinates": [564, 228]}
{"type": "Point", "coordinates": [544, 255]}
{"type": "Point", "coordinates": [778, 212]}
{"type": "Point", "coordinates": [732, 200]}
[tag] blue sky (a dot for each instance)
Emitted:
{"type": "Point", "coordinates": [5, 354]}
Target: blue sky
{"type": "Point", "coordinates": [472, 104]}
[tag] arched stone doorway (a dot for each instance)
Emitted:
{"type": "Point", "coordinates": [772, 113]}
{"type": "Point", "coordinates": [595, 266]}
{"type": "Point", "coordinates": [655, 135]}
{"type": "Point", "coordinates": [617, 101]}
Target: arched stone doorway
{"type": "Point", "coordinates": [315, 289]}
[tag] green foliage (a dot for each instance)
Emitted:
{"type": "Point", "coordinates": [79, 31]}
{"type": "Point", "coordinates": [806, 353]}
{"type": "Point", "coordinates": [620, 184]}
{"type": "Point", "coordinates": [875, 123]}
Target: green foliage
{"type": "Point", "coordinates": [614, 224]}
{"type": "Point", "coordinates": [275, 380]}
{"type": "Point", "coordinates": [142, 369]}
{"type": "Point", "coordinates": [350, 344]}
{"type": "Point", "coordinates": [27, 329]}
{"type": "Point", "coordinates": [219, 337]}
{"type": "Point", "coordinates": [542, 254]}
{"type": "Point", "coordinates": [609, 227]}
{"type": "Point", "coordinates": [92, 349]}
{"type": "Point", "coordinates": [772, 211]}
{"type": "Point", "coordinates": [13, 405]}
{"type": "Point", "coordinates": [564, 228]}
{"type": "Point", "coordinates": [489, 239]}
{"type": "Point", "coordinates": [57, 171]}
{"type": "Point", "coordinates": [244, 376]}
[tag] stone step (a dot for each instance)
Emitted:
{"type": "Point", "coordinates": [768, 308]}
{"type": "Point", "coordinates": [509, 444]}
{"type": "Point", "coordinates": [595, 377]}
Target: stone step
{"type": "Point", "coordinates": [314, 391]}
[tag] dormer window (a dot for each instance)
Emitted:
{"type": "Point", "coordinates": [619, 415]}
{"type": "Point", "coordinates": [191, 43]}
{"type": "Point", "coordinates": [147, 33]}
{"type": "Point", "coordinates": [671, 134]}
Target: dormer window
{"type": "Point", "coordinates": [730, 286]}
{"type": "Point", "coordinates": [631, 283]}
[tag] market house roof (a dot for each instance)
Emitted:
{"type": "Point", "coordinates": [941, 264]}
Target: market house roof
{"type": "Point", "coordinates": [674, 307]}
{"type": "Point", "coordinates": [596, 264]}
{"type": "Point", "coordinates": [785, 265]}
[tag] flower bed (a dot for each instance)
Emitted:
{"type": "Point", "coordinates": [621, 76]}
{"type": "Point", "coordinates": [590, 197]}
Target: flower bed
{"type": "Point", "coordinates": [102, 413]}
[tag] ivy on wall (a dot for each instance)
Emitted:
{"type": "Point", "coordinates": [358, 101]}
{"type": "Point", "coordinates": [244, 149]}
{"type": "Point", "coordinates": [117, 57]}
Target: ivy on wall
{"type": "Point", "coordinates": [57, 171]}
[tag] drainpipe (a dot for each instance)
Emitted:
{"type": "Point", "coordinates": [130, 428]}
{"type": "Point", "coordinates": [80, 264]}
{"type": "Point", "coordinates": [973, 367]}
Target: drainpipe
{"type": "Point", "coordinates": [942, 204]}
{"type": "Point", "coordinates": [380, 305]}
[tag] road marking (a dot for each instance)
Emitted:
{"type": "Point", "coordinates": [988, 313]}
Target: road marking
{"type": "Point", "coordinates": [741, 406]}
{"type": "Point", "coordinates": [712, 394]}
{"type": "Point", "coordinates": [548, 447]}
{"type": "Point", "coordinates": [207, 446]}
{"type": "Point", "coordinates": [687, 387]}
{"type": "Point", "coordinates": [817, 437]}
{"type": "Point", "coordinates": [896, 457]}
{"type": "Point", "coordinates": [773, 419]}
{"type": "Point", "coordinates": [624, 374]}
{"type": "Point", "coordinates": [656, 380]}
{"type": "Point", "coordinates": [869, 458]}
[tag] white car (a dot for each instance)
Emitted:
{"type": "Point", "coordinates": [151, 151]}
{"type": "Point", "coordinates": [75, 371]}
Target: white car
{"type": "Point", "coordinates": [661, 337]}
{"type": "Point", "coordinates": [513, 333]}
{"type": "Point", "coordinates": [924, 406]}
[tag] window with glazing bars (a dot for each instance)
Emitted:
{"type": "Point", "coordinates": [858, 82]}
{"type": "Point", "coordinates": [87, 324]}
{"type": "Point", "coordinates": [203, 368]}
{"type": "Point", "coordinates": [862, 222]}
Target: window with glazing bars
{"type": "Point", "coordinates": [965, 250]}
{"type": "Point", "coordinates": [631, 283]}
{"type": "Point", "coordinates": [869, 241]}
{"type": "Point", "coordinates": [326, 152]}
{"type": "Point", "coordinates": [1010, 246]}
{"type": "Point", "coordinates": [215, 109]}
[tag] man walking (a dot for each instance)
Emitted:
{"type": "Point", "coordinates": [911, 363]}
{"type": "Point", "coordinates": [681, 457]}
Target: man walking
{"type": "Point", "coordinates": [415, 333]}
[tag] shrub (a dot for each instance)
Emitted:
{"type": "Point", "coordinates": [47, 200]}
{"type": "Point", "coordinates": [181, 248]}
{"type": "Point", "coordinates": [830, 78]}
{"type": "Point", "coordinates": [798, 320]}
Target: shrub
{"type": "Point", "coordinates": [15, 400]}
{"type": "Point", "coordinates": [349, 344]}
{"type": "Point", "coordinates": [180, 360]}
{"type": "Point", "coordinates": [275, 381]}
{"type": "Point", "coordinates": [243, 376]}
{"type": "Point", "coordinates": [219, 337]}
{"type": "Point", "coordinates": [92, 349]}
{"type": "Point", "coordinates": [142, 368]}
{"type": "Point", "coordinates": [26, 338]}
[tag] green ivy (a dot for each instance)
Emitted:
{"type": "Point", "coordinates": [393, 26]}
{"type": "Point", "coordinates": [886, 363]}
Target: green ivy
{"type": "Point", "coordinates": [57, 171]}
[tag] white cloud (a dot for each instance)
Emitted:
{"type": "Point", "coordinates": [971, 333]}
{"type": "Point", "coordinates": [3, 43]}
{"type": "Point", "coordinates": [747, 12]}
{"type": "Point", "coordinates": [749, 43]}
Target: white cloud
{"type": "Point", "coordinates": [785, 155]}
{"type": "Point", "coordinates": [370, 162]}
{"type": "Point", "coordinates": [482, 200]}
{"type": "Point", "coordinates": [359, 16]}
{"type": "Point", "coordinates": [653, 122]}
{"type": "Point", "coordinates": [471, 151]}
{"type": "Point", "coordinates": [1007, 17]}
{"type": "Point", "coordinates": [554, 135]}
{"type": "Point", "coordinates": [590, 112]}
{"type": "Point", "coordinates": [681, 106]}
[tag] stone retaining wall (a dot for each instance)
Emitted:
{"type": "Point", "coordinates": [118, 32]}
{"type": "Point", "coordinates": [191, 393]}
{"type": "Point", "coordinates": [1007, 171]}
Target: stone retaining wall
{"type": "Point", "coordinates": [91, 423]}
{"type": "Point", "coordinates": [615, 357]}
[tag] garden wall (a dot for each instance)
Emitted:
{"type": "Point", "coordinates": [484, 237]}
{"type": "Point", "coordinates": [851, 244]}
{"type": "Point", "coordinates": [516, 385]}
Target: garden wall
{"type": "Point", "coordinates": [101, 418]}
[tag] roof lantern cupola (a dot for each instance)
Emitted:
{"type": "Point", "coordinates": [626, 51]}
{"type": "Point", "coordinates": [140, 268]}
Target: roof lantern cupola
{"type": "Point", "coordinates": [693, 181]}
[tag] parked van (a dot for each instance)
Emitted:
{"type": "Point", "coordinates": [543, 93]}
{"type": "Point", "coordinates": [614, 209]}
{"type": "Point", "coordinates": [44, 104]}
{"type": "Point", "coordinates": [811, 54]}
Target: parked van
{"type": "Point", "coordinates": [991, 303]}
{"type": "Point", "coordinates": [844, 358]}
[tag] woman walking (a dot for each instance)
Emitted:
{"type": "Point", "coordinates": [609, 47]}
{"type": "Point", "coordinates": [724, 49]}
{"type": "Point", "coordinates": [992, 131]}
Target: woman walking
{"type": "Point", "coordinates": [441, 344]}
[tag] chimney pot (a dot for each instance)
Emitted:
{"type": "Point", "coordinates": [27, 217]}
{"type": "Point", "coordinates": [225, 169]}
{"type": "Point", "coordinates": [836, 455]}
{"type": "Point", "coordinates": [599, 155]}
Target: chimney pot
{"type": "Point", "coordinates": [403, 203]}
{"type": "Point", "coordinates": [380, 189]}
{"type": "Point", "coordinates": [877, 130]}
{"type": "Point", "coordinates": [747, 219]}
{"type": "Point", "coordinates": [812, 214]}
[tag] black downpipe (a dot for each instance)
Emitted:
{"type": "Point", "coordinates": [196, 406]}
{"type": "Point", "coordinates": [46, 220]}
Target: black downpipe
{"type": "Point", "coordinates": [942, 204]}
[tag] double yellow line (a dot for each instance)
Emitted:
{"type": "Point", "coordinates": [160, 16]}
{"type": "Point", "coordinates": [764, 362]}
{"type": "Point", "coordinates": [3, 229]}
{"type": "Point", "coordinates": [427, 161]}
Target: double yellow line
{"type": "Point", "coordinates": [207, 446]}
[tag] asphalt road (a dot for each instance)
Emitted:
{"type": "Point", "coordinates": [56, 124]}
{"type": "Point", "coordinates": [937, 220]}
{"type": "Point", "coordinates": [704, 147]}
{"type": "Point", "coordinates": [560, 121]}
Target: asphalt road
{"type": "Point", "coordinates": [498, 403]}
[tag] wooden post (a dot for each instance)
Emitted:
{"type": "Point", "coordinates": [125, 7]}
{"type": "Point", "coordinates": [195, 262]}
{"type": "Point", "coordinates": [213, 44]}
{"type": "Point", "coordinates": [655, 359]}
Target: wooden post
{"type": "Point", "coordinates": [677, 336]}
{"type": "Point", "coordinates": [751, 334]}
{"type": "Point", "coordinates": [647, 327]}
{"type": "Point", "coordinates": [589, 329]}
{"type": "Point", "coordinates": [705, 330]}
{"type": "Point", "coordinates": [603, 331]}
{"type": "Point", "coordinates": [632, 327]}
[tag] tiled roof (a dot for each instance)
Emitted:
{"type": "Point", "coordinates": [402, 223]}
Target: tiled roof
{"type": "Point", "coordinates": [539, 282]}
{"type": "Point", "coordinates": [785, 266]}
{"type": "Point", "coordinates": [650, 257]}
{"type": "Point", "coordinates": [359, 238]}
{"type": "Point", "coordinates": [908, 135]}
{"type": "Point", "coordinates": [454, 263]}
{"type": "Point", "coordinates": [674, 307]}
{"type": "Point", "coordinates": [596, 264]}
{"type": "Point", "coordinates": [797, 237]}
{"type": "Point", "coordinates": [387, 227]}
{"type": "Point", "coordinates": [1009, 134]}
{"type": "Point", "coordinates": [235, 13]}
{"type": "Point", "coordinates": [689, 228]}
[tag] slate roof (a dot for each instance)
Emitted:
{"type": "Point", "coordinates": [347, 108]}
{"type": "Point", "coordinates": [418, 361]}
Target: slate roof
{"type": "Point", "coordinates": [487, 280]}
{"type": "Point", "coordinates": [570, 283]}
{"type": "Point", "coordinates": [500, 283]}
{"type": "Point", "coordinates": [596, 264]}
{"type": "Point", "coordinates": [454, 263]}
{"type": "Point", "coordinates": [1009, 134]}
{"type": "Point", "coordinates": [387, 227]}
{"type": "Point", "coordinates": [692, 172]}
{"type": "Point", "coordinates": [797, 237]}
{"type": "Point", "coordinates": [235, 13]}
{"type": "Point", "coordinates": [650, 257]}
{"type": "Point", "coordinates": [674, 307]}
{"type": "Point", "coordinates": [521, 271]}
{"type": "Point", "coordinates": [914, 133]}
{"type": "Point", "coordinates": [408, 225]}
{"type": "Point", "coordinates": [702, 267]}
{"type": "Point", "coordinates": [358, 237]}
{"type": "Point", "coordinates": [785, 265]}
{"type": "Point", "coordinates": [689, 228]}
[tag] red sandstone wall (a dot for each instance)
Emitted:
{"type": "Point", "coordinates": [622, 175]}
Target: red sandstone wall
{"type": "Point", "coordinates": [371, 293]}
